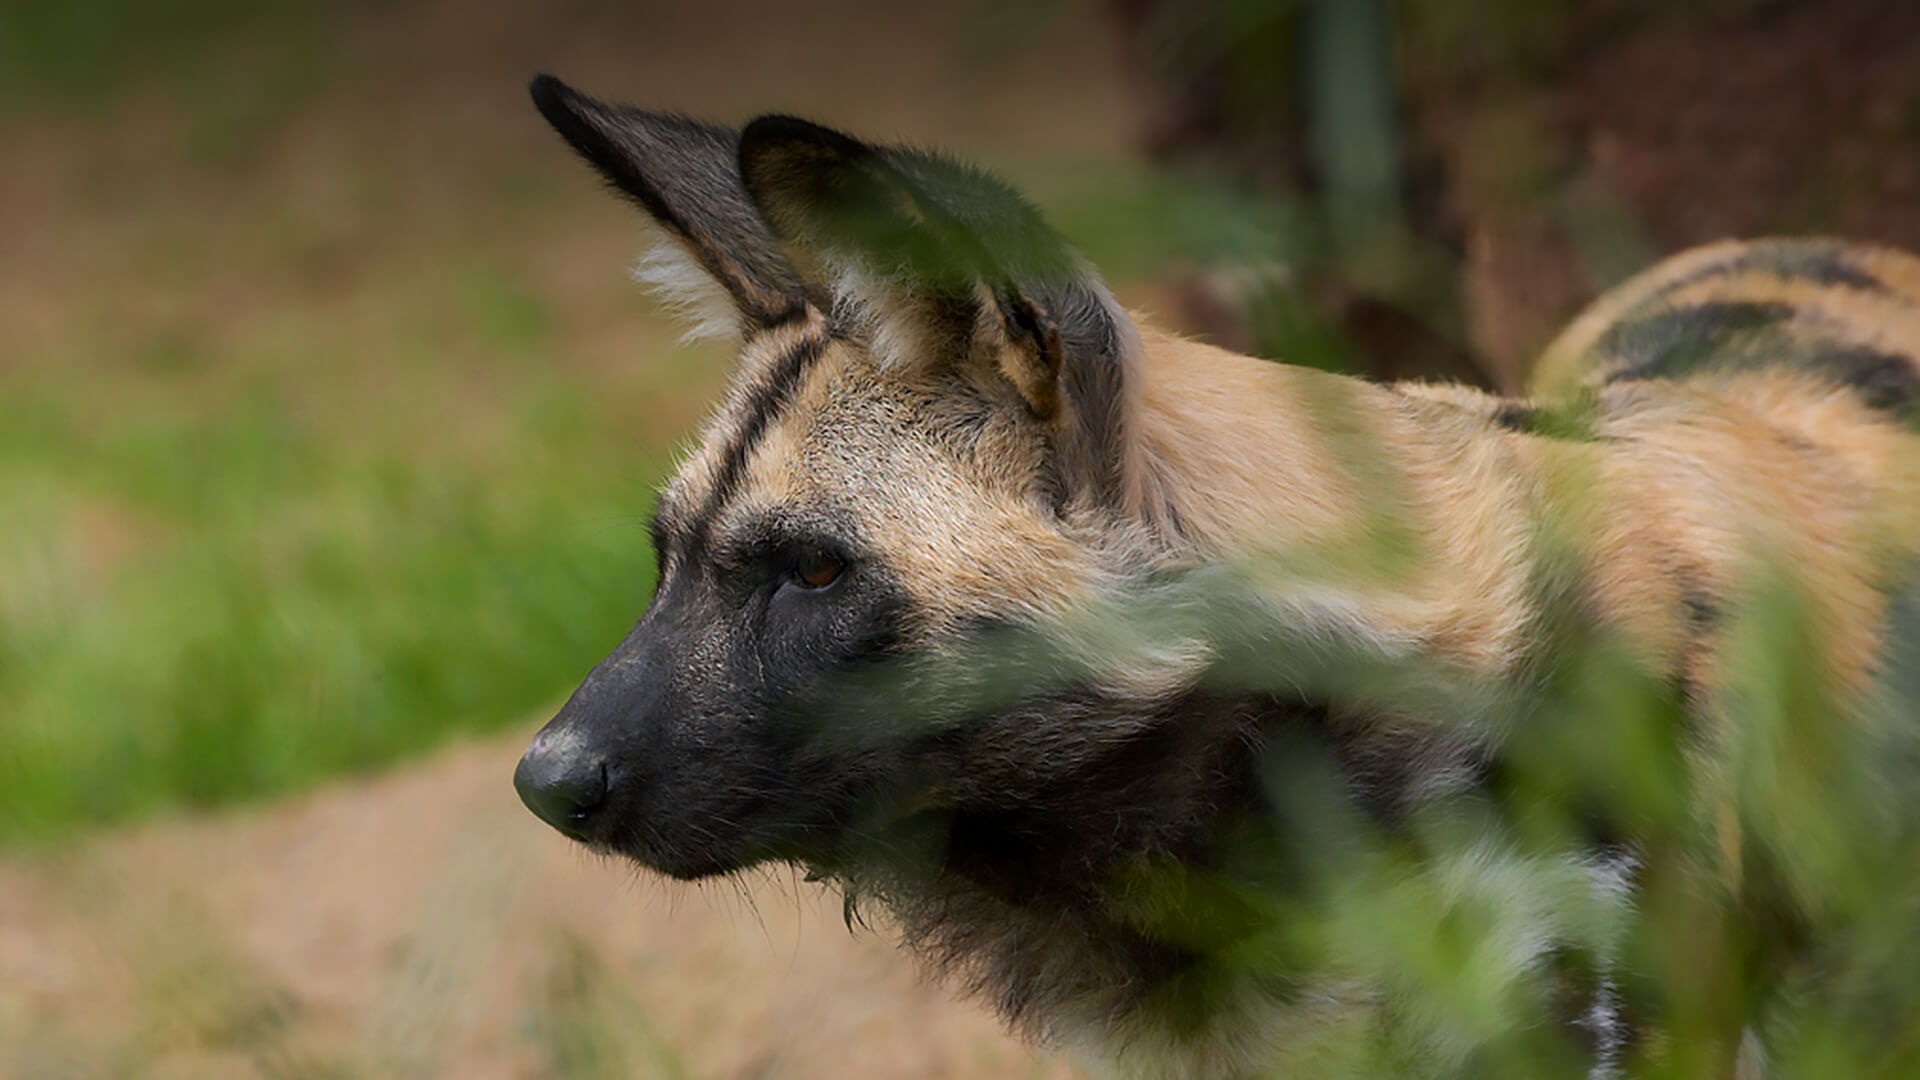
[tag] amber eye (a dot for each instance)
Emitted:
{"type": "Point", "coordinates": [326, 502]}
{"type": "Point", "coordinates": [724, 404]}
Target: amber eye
{"type": "Point", "coordinates": [817, 570]}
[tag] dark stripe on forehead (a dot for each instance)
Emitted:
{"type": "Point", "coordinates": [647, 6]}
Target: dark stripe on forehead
{"type": "Point", "coordinates": [767, 401]}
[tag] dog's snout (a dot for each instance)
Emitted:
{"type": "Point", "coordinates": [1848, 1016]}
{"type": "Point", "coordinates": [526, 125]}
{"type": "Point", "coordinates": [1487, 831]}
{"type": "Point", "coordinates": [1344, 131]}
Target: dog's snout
{"type": "Point", "coordinates": [562, 781]}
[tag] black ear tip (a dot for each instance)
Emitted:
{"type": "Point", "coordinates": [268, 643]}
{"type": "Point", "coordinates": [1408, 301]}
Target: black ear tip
{"type": "Point", "coordinates": [565, 108]}
{"type": "Point", "coordinates": [580, 120]}
{"type": "Point", "coordinates": [551, 96]}
{"type": "Point", "coordinates": [545, 88]}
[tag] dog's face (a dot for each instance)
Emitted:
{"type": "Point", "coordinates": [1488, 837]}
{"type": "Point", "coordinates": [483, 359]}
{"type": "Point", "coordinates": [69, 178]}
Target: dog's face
{"type": "Point", "coordinates": [929, 397]}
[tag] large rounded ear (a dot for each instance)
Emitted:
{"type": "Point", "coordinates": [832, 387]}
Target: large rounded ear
{"type": "Point", "coordinates": [686, 175]}
{"type": "Point", "coordinates": [940, 263]}
{"type": "Point", "coordinates": [933, 222]}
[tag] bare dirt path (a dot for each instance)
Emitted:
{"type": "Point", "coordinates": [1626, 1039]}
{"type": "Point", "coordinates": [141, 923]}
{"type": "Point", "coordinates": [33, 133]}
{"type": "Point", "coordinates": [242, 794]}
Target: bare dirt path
{"type": "Point", "coordinates": [422, 924]}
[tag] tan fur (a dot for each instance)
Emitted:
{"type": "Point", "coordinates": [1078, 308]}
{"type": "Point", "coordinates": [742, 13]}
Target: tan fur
{"type": "Point", "coordinates": [1272, 461]}
{"type": "Point", "coordinates": [1711, 473]}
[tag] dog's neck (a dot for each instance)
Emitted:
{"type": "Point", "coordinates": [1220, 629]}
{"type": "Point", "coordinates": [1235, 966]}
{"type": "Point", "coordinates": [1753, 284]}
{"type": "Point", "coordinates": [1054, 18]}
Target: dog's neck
{"type": "Point", "coordinates": [1075, 909]}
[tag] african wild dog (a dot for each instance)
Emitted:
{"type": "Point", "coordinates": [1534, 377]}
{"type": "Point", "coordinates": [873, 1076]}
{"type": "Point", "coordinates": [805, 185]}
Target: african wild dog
{"type": "Point", "coordinates": [981, 598]}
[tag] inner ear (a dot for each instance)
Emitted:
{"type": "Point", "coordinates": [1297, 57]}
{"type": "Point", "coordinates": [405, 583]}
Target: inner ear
{"type": "Point", "coordinates": [1032, 354]}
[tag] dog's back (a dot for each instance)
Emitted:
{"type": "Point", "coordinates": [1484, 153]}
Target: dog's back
{"type": "Point", "coordinates": [1761, 400]}
{"type": "Point", "coordinates": [1847, 313]}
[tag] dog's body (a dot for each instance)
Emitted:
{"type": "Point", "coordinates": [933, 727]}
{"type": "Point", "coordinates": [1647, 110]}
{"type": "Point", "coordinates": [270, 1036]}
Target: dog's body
{"type": "Point", "coordinates": [989, 602]}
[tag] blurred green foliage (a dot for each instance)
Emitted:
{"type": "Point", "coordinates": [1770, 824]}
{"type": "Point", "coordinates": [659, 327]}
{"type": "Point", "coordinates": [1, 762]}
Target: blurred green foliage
{"type": "Point", "coordinates": [88, 52]}
{"type": "Point", "coordinates": [247, 538]}
{"type": "Point", "coordinates": [281, 603]}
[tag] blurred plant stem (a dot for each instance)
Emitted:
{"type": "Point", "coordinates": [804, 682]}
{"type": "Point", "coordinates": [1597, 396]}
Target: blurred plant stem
{"type": "Point", "coordinates": [1354, 133]}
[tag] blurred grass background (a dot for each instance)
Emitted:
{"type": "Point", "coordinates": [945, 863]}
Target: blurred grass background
{"type": "Point", "coordinates": [326, 427]}
{"type": "Point", "coordinates": [328, 421]}
{"type": "Point", "coordinates": [291, 484]}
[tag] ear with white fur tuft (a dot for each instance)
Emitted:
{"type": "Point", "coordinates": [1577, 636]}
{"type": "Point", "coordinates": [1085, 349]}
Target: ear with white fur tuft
{"type": "Point", "coordinates": [943, 264]}
{"type": "Point", "coordinates": [685, 174]}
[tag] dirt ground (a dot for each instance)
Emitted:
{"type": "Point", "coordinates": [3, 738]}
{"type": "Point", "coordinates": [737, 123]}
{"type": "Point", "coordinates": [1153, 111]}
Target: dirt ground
{"type": "Point", "coordinates": [423, 924]}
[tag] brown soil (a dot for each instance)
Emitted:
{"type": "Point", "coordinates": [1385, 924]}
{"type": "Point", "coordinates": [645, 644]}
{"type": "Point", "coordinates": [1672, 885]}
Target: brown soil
{"type": "Point", "coordinates": [423, 924]}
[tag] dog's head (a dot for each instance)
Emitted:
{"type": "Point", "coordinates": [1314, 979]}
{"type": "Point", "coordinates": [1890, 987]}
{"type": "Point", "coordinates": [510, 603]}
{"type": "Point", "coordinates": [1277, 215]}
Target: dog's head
{"type": "Point", "coordinates": [925, 445]}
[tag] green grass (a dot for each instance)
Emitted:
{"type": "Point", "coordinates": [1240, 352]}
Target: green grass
{"type": "Point", "coordinates": [217, 584]}
{"type": "Point", "coordinates": [89, 51]}
{"type": "Point", "coordinates": [287, 614]}
{"type": "Point", "coordinates": [303, 477]}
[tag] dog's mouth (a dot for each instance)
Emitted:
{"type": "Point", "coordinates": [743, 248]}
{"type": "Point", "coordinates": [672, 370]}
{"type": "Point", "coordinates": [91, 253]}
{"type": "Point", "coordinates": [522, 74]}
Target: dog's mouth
{"type": "Point", "coordinates": [691, 844]}
{"type": "Point", "coordinates": [679, 864]}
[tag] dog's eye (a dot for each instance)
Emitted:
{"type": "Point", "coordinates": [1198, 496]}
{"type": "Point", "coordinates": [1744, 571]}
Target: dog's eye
{"type": "Point", "coordinates": [817, 570]}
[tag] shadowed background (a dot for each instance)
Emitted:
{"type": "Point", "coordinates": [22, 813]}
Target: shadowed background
{"type": "Point", "coordinates": [328, 423]}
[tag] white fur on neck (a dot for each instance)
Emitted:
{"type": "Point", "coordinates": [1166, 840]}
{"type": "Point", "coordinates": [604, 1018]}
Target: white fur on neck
{"type": "Point", "coordinates": [677, 280]}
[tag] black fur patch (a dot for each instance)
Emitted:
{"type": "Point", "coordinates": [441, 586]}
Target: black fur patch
{"type": "Point", "coordinates": [1885, 381]}
{"type": "Point", "coordinates": [660, 532]}
{"type": "Point", "coordinates": [1048, 896]}
{"type": "Point", "coordinates": [1514, 416]}
{"type": "Point", "coordinates": [1738, 335]}
{"type": "Point", "coordinates": [1704, 615]}
{"type": "Point", "coordinates": [1677, 342]}
{"type": "Point", "coordinates": [1702, 607]}
{"type": "Point", "coordinates": [1796, 260]}
{"type": "Point", "coordinates": [1548, 422]}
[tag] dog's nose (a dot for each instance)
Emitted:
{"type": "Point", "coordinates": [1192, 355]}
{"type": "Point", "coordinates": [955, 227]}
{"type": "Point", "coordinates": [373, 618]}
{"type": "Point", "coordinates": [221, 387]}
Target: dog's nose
{"type": "Point", "coordinates": [561, 781]}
